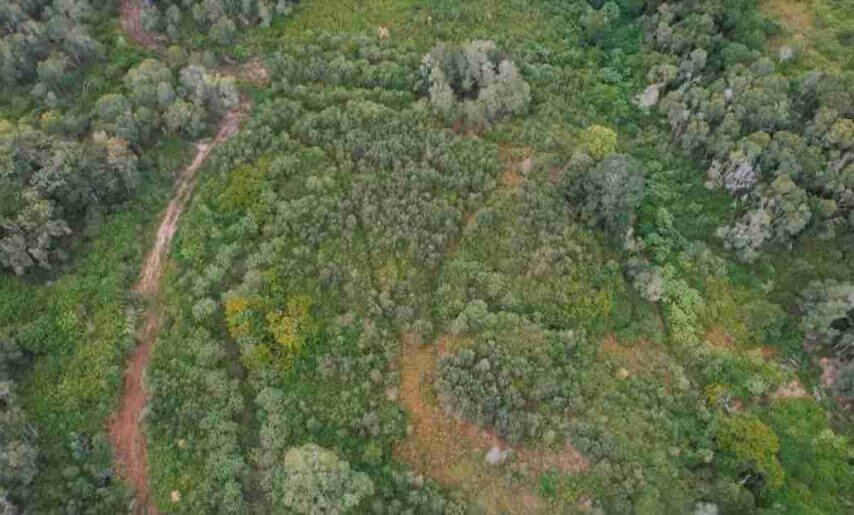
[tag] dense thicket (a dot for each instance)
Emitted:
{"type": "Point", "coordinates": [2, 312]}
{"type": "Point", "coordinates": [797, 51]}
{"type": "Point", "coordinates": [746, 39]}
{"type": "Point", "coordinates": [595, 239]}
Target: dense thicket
{"type": "Point", "coordinates": [42, 42]}
{"type": "Point", "coordinates": [18, 451]}
{"type": "Point", "coordinates": [519, 391]}
{"type": "Point", "coordinates": [221, 20]}
{"type": "Point", "coordinates": [52, 183]}
{"type": "Point", "coordinates": [334, 203]}
{"type": "Point", "coordinates": [779, 143]}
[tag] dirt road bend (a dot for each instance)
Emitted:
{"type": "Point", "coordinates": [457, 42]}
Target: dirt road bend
{"type": "Point", "coordinates": [124, 428]}
{"type": "Point", "coordinates": [129, 13]}
{"type": "Point", "coordinates": [128, 440]}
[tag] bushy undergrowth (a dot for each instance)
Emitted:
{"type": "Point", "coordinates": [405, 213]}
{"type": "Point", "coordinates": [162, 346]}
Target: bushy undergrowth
{"type": "Point", "coordinates": [619, 221]}
{"type": "Point", "coordinates": [334, 204]}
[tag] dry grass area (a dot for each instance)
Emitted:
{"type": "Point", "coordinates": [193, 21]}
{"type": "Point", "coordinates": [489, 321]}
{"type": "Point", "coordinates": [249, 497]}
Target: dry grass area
{"type": "Point", "coordinates": [719, 338]}
{"type": "Point", "coordinates": [797, 20]}
{"type": "Point", "coordinates": [641, 357]}
{"type": "Point", "coordinates": [452, 452]}
{"type": "Point", "coordinates": [517, 163]}
{"type": "Point", "coordinates": [791, 390]}
{"type": "Point", "coordinates": [794, 15]}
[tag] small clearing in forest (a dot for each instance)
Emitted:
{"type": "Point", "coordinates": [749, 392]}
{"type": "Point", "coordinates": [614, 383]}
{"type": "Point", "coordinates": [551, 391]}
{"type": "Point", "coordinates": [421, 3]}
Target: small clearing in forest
{"type": "Point", "coordinates": [453, 452]}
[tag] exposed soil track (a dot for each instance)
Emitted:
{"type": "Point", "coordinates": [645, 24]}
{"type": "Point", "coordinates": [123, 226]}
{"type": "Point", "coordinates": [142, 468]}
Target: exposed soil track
{"type": "Point", "coordinates": [125, 432]}
{"type": "Point", "coordinates": [452, 451]}
{"type": "Point", "coordinates": [129, 451]}
{"type": "Point", "coordinates": [131, 25]}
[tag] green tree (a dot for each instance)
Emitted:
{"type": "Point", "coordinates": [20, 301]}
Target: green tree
{"type": "Point", "coordinates": [598, 141]}
{"type": "Point", "coordinates": [608, 194]}
{"type": "Point", "coordinates": [750, 450]}
{"type": "Point", "coordinates": [314, 480]}
{"type": "Point", "coordinates": [828, 316]}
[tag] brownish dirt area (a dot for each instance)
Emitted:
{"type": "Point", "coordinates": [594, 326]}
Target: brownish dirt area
{"type": "Point", "coordinates": [452, 451]}
{"type": "Point", "coordinates": [129, 451]}
{"type": "Point", "coordinates": [517, 163]}
{"type": "Point", "coordinates": [126, 436]}
{"type": "Point", "coordinates": [130, 22]}
{"type": "Point", "coordinates": [795, 15]}
{"type": "Point", "coordinates": [791, 390]}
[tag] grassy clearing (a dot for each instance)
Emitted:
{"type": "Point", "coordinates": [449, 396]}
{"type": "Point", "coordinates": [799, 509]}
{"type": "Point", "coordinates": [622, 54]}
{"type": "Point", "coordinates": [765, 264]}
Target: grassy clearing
{"type": "Point", "coordinates": [418, 22]}
{"type": "Point", "coordinates": [818, 30]}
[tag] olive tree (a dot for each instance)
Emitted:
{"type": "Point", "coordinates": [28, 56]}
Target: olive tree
{"type": "Point", "coordinates": [314, 480]}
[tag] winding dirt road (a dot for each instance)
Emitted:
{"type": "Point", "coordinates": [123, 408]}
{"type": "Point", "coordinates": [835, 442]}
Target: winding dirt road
{"type": "Point", "coordinates": [451, 451]}
{"type": "Point", "coordinates": [125, 431]}
{"type": "Point", "coordinates": [131, 25]}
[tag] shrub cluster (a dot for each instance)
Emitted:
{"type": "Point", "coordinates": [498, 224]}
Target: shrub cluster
{"type": "Point", "coordinates": [473, 83]}
{"type": "Point", "coordinates": [222, 20]}
{"type": "Point", "coordinates": [779, 145]}
{"type": "Point", "coordinates": [519, 395]}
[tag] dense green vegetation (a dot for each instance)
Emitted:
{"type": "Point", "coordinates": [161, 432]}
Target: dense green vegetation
{"type": "Point", "coordinates": [627, 227]}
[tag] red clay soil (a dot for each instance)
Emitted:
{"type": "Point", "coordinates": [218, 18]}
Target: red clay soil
{"type": "Point", "coordinates": [130, 22]}
{"type": "Point", "coordinates": [129, 451]}
{"type": "Point", "coordinates": [452, 451]}
{"type": "Point", "coordinates": [125, 433]}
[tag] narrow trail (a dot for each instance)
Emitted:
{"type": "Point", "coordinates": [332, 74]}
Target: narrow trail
{"type": "Point", "coordinates": [130, 22]}
{"type": "Point", "coordinates": [129, 450]}
{"type": "Point", "coordinates": [125, 432]}
{"type": "Point", "coordinates": [451, 451]}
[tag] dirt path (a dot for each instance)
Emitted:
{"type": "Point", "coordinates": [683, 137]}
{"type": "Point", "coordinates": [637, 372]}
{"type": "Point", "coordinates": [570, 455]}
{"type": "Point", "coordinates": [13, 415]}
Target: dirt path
{"type": "Point", "coordinates": [453, 451]}
{"type": "Point", "coordinates": [129, 450]}
{"type": "Point", "coordinates": [125, 432]}
{"type": "Point", "coordinates": [130, 22]}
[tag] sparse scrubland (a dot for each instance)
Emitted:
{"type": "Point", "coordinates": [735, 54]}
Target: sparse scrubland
{"type": "Point", "coordinates": [460, 257]}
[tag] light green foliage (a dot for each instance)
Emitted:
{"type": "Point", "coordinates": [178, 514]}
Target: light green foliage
{"type": "Point", "coordinates": [682, 305]}
{"type": "Point", "coordinates": [813, 457]}
{"type": "Point", "coordinates": [314, 480]}
{"type": "Point", "coordinates": [85, 318]}
{"type": "Point", "coordinates": [598, 141]}
{"type": "Point", "coordinates": [751, 447]}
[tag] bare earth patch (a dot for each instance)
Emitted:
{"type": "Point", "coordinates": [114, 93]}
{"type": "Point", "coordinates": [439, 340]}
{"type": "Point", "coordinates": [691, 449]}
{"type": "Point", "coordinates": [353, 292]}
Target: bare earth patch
{"type": "Point", "coordinates": [517, 163]}
{"type": "Point", "coordinates": [717, 337]}
{"type": "Point", "coordinates": [640, 357]}
{"type": "Point", "coordinates": [791, 390]}
{"type": "Point", "coordinates": [453, 451]}
{"type": "Point", "coordinates": [126, 435]}
{"type": "Point", "coordinates": [130, 23]}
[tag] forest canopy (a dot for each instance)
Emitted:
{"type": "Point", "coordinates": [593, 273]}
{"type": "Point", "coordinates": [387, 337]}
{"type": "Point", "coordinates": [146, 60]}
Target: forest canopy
{"type": "Point", "coordinates": [428, 256]}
